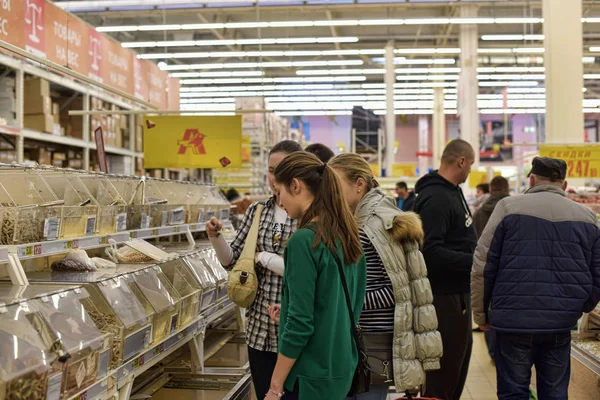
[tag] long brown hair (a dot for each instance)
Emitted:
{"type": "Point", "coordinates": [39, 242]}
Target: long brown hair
{"type": "Point", "coordinates": [329, 211]}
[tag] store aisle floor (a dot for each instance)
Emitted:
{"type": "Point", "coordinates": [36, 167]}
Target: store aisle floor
{"type": "Point", "coordinates": [481, 381]}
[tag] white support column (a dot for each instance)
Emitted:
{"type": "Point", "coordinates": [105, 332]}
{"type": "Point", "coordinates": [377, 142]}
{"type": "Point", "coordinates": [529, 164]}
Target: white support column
{"type": "Point", "coordinates": [468, 86]}
{"type": "Point", "coordinates": [564, 71]}
{"type": "Point", "coordinates": [439, 127]}
{"type": "Point", "coordinates": [131, 127]}
{"type": "Point", "coordinates": [423, 144]}
{"type": "Point", "coordinates": [87, 134]}
{"type": "Point", "coordinates": [390, 117]}
{"type": "Point", "coordinates": [20, 100]}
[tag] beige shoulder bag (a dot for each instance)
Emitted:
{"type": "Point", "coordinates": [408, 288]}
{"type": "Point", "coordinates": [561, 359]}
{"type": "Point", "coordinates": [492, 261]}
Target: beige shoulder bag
{"type": "Point", "coordinates": [243, 282]}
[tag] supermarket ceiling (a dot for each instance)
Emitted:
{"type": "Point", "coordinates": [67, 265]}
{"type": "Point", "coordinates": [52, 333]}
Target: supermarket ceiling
{"type": "Point", "coordinates": [234, 46]}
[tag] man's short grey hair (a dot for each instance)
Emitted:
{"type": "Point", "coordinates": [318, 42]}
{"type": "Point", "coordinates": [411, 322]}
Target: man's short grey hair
{"type": "Point", "coordinates": [548, 180]}
{"type": "Point", "coordinates": [455, 150]}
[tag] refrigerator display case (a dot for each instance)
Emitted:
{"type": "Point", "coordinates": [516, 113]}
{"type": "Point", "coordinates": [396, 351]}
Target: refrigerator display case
{"type": "Point", "coordinates": [80, 210]}
{"type": "Point", "coordinates": [155, 292]}
{"type": "Point", "coordinates": [204, 278]}
{"type": "Point", "coordinates": [190, 291]}
{"type": "Point", "coordinates": [216, 269]}
{"type": "Point", "coordinates": [112, 209]}
{"type": "Point", "coordinates": [113, 307]}
{"type": "Point", "coordinates": [30, 211]}
{"type": "Point", "coordinates": [89, 348]}
{"type": "Point", "coordinates": [27, 359]}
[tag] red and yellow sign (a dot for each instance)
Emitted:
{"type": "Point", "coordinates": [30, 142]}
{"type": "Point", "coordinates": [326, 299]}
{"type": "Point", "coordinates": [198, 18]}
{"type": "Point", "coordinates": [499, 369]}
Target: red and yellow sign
{"type": "Point", "coordinates": [479, 177]}
{"type": "Point", "coordinates": [582, 161]}
{"type": "Point", "coordinates": [193, 142]}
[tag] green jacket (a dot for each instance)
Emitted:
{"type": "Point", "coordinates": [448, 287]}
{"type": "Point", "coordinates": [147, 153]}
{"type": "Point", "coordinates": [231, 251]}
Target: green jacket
{"type": "Point", "coordinates": [315, 327]}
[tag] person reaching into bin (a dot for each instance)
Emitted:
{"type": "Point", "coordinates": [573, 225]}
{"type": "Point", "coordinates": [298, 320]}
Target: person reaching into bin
{"type": "Point", "coordinates": [275, 228]}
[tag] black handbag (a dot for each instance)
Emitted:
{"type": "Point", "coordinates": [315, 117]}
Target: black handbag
{"type": "Point", "coordinates": [361, 383]}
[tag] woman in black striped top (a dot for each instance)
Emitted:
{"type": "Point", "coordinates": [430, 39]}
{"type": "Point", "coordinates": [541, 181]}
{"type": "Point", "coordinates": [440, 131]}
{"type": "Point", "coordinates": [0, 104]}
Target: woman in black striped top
{"type": "Point", "coordinates": [378, 313]}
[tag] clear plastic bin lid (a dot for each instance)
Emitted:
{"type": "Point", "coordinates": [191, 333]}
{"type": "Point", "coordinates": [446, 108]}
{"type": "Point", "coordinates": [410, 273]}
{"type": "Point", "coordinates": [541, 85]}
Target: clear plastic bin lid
{"type": "Point", "coordinates": [201, 270]}
{"type": "Point", "coordinates": [123, 302]}
{"type": "Point", "coordinates": [24, 188]}
{"type": "Point", "coordinates": [215, 266]}
{"type": "Point", "coordinates": [10, 294]}
{"type": "Point", "coordinates": [66, 315]}
{"type": "Point", "coordinates": [181, 277]}
{"type": "Point", "coordinates": [22, 350]}
{"type": "Point", "coordinates": [154, 288]}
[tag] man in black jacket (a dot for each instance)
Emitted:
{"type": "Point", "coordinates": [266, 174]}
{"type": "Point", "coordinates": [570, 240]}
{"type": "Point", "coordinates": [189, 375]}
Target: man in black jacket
{"type": "Point", "coordinates": [450, 241]}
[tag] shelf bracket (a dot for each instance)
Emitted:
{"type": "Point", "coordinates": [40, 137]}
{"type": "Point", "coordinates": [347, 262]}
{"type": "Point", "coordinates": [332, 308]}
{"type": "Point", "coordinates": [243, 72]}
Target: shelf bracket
{"type": "Point", "coordinates": [197, 353]}
{"type": "Point", "coordinates": [16, 271]}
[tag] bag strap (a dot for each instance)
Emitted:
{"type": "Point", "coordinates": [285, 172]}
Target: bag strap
{"type": "Point", "coordinates": [249, 249]}
{"type": "Point", "coordinates": [353, 327]}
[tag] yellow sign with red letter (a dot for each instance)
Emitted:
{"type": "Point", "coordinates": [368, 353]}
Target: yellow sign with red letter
{"type": "Point", "coordinates": [193, 142]}
{"type": "Point", "coordinates": [582, 161]}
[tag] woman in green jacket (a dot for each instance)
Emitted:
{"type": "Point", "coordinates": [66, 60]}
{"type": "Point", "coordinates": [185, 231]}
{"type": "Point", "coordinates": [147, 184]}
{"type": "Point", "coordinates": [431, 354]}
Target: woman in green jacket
{"type": "Point", "coordinates": [317, 353]}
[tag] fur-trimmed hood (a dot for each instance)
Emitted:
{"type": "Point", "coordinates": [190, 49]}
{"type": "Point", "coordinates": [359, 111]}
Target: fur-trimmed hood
{"type": "Point", "coordinates": [405, 227]}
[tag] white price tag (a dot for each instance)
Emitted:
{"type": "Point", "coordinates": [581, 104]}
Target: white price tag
{"type": "Point", "coordinates": [201, 216]}
{"type": "Point", "coordinates": [145, 221]}
{"type": "Point", "coordinates": [121, 222]}
{"type": "Point", "coordinates": [177, 216]}
{"type": "Point", "coordinates": [224, 215]}
{"type": "Point", "coordinates": [54, 386]}
{"type": "Point", "coordinates": [51, 228]}
{"type": "Point", "coordinates": [210, 214]}
{"type": "Point", "coordinates": [165, 218]}
{"type": "Point", "coordinates": [90, 226]}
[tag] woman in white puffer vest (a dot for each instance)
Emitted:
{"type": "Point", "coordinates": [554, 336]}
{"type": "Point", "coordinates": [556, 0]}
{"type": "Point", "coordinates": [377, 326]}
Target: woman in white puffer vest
{"type": "Point", "coordinates": [399, 321]}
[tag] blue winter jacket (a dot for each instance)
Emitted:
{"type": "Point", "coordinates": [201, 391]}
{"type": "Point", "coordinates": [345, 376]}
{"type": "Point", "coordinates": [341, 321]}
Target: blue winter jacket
{"type": "Point", "coordinates": [537, 264]}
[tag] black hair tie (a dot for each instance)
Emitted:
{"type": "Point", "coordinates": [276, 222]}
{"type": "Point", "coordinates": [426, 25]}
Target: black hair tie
{"type": "Point", "coordinates": [321, 168]}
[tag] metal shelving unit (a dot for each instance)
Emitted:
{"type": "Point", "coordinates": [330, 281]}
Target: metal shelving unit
{"type": "Point", "coordinates": [69, 81]}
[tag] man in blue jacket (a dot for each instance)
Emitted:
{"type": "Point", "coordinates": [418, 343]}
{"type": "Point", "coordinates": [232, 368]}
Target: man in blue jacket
{"type": "Point", "coordinates": [536, 270]}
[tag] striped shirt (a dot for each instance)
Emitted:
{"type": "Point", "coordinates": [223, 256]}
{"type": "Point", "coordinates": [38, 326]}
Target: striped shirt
{"type": "Point", "coordinates": [378, 314]}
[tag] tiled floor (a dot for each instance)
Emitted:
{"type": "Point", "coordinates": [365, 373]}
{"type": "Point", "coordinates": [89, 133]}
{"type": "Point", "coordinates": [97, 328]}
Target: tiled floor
{"type": "Point", "coordinates": [481, 381]}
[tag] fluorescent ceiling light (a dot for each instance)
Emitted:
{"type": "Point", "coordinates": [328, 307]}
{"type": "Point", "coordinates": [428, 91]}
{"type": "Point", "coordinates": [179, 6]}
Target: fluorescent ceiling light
{"type": "Point", "coordinates": [430, 50]}
{"type": "Point", "coordinates": [312, 113]}
{"type": "Point", "coordinates": [270, 64]}
{"type": "Point", "coordinates": [242, 54]}
{"type": "Point", "coordinates": [274, 80]}
{"type": "Point", "coordinates": [506, 84]}
{"type": "Point", "coordinates": [374, 71]}
{"type": "Point", "coordinates": [511, 37]}
{"type": "Point", "coordinates": [218, 74]}
{"type": "Point", "coordinates": [238, 42]}
{"type": "Point", "coordinates": [322, 23]}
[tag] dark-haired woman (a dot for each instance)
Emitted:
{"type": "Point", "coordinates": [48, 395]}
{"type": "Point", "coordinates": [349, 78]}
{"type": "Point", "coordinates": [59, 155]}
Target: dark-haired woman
{"type": "Point", "coordinates": [317, 353]}
{"type": "Point", "coordinates": [275, 230]}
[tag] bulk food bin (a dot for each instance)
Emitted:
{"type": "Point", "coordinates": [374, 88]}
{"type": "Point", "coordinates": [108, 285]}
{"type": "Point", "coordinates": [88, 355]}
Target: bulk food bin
{"type": "Point", "coordinates": [88, 347]}
{"type": "Point", "coordinates": [26, 359]}
{"type": "Point", "coordinates": [178, 196]}
{"type": "Point", "coordinates": [200, 271]}
{"type": "Point", "coordinates": [216, 269]}
{"type": "Point", "coordinates": [112, 209]}
{"type": "Point", "coordinates": [129, 189]}
{"type": "Point", "coordinates": [157, 295]}
{"type": "Point", "coordinates": [30, 211]}
{"type": "Point", "coordinates": [80, 210]}
{"type": "Point", "coordinates": [190, 291]}
{"type": "Point", "coordinates": [116, 309]}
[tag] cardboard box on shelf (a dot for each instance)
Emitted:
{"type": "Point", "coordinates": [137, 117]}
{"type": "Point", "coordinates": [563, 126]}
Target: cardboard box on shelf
{"type": "Point", "coordinates": [75, 128]}
{"type": "Point", "coordinates": [57, 130]}
{"type": "Point", "coordinates": [124, 121]}
{"type": "Point", "coordinates": [8, 84]}
{"type": "Point", "coordinates": [39, 122]}
{"type": "Point", "coordinates": [36, 87]}
{"type": "Point", "coordinates": [36, 104]}
{"type": "Point", "coordinates": [75, 163]}
{"type": "Point", "coordinates": [41, 156]}
{"type": "Point", "coordinates": [8, 104]}
{"type": "Point", "coordinates": [118, 138]}
{"type": "Point", "coordinates": [8, 156]}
